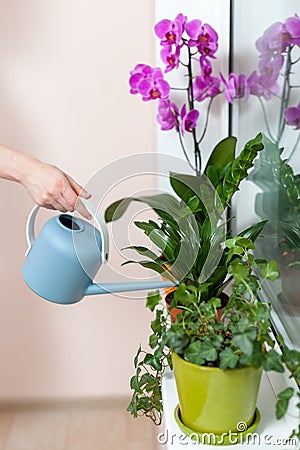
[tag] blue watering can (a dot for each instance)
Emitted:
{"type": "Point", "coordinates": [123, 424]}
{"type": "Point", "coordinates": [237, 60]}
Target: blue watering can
{"type": "Point", "coordinates": [62, 261]}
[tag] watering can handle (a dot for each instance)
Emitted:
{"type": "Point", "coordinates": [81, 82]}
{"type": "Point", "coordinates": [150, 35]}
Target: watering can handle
{"type": "Point", "coordinates": [100, 223]}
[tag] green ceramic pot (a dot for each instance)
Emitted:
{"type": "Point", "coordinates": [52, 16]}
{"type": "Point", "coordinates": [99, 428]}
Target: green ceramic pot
{"type": "Point", "coordinates": [213, 400]}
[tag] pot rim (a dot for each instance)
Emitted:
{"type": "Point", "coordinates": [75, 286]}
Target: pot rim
{"type": "Point", "coordinates": [213, 369]}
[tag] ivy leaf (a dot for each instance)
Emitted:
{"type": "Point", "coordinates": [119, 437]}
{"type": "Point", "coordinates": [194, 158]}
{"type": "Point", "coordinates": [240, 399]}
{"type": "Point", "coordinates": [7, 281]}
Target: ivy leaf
{"type": "Point", "coordinates": [281, 408]}
{"type": "Point", "coordinates": [147, 381]}
{"type": "Point", "coordinates": [286, 393]}
{"type": "Point", "coordinates": [192, 353]}
{"type": "Point", "coordinates": [208, 351]}
{"type": "Point", "coordinates": [271, 361]}
{"type": "Point", "coordinates": [243, 324]}
{"type": "Point", "coordinates": [228, 359]}
{"type": "Point", "coordinates": [134, 383]}
{"type": "Point", "coordinates": [153, 300]}
{"type": "Point", "coordinates": [153, 340]}
{"type": "Point", "coordinates": [136, 359]}
{"type": "Point", "coordinates": [156, 324]}
{"type": "Point", "coordinates": [238, 270]}
{"type": "Point", "coordinates": [270, 270]}
{"type": "Point", "coordinates": [177, 341]}
{"type": "Point", "coordinates": [153, 361]}
{"type": "Point", "coordinates": [183, 296]}
{"type": "Point", "coordinates": [245, 340]}
{"type": "Point", "coordinates": [283, 402]}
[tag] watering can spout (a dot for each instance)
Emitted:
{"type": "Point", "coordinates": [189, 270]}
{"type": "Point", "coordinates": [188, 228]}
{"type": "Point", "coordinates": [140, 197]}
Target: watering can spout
{"type": "Point", "coordinates": [108, 288]}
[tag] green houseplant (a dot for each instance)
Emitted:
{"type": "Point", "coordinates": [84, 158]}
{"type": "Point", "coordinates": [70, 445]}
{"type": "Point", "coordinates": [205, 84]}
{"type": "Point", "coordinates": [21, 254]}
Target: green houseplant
{"type": "Point", "coordinates": [194, 248]}
{"type": "Point", "coordinates": [185, 222]}
{"type": "Point", "coordinates": [230, 351]}
{"type": "Point", "coordinates": [214, 358]}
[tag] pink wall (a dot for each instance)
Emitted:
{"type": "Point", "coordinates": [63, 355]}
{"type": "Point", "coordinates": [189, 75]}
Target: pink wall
{"type": "Point", "coordinates": [64, 98]}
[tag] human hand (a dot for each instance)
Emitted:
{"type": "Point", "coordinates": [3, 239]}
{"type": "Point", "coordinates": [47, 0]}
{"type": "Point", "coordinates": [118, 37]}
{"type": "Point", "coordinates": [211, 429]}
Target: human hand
{"type": "Point", "coordinates": [51, 188]}
{"type": "Point", "coordinates": [46, 184]}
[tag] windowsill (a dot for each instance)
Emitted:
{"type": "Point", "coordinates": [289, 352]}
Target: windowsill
{"type": "Point", "coordinates": [272, 432]}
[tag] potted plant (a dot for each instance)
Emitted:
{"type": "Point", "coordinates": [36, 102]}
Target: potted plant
{"type": "Point", "coordinates": [194, 247]}
{"type": "Point", "coordinates": [217, 361]}
{"type": "Point", "coordinates": [224, 357]}
{"type": "Point", "coordinates": [190, 241]}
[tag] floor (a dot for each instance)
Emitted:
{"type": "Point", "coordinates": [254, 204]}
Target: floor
{"type": "Point", "coordinates": [75, 425]}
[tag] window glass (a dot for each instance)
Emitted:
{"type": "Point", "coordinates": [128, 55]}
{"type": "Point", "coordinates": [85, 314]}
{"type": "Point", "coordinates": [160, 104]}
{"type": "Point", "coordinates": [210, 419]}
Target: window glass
{"type": "Point", "coordinates": [266, 61]}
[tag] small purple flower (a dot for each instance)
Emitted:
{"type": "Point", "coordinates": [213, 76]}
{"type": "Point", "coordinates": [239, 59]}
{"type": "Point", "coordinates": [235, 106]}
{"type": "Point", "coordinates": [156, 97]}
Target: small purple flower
{"type": "Point", "coordinates": [292, 116]}
{"type": "Point", "coordinates": [263, 85]}
{"type": "Point", "coordinates": [137, 74]}
{"type": "Point", "coordinates": [170, 59]}
{"type": "Point", "coordinates": [270, 65]}
{"type": "Point", "coordinates": [204, 37]}
{"type": "Point", "coordinates": [205, 86]}
{"type": "Point", "coordinates": [242, 87]}
{"type": "Point", "coordinates": [269, 85]}
{"type": "Point", "coordinates": [153, 86]}
{"type": "Point", "coordinates": [170, 32]}
{"type": "Point", "coordinates": [254, 84]}
{"type": "Point", "coordinates": [272, 40]}
{"type": "Point", "coordinates": [167, 115]}
{"type": "Point", "coordinates": [188, 120]}
{"type": "Point", "coordinates": [205, 65]}
{"type": "Point", "coordinates": [230, 87]}
{"type": "Point", "coordinates": [292, 26]}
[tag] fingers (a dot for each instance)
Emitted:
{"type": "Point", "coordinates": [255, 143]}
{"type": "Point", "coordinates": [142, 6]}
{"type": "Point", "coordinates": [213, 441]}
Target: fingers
{"type": "Point", "coordinates": [82, 209]}
{"type": "Point", "coordinates": [55, 205]}
{"type": "Point", "coordinates": [80, 191]}
{"type": "Point", "coordinates": [70, 198]}
{"type": "Point", "coordinates": [63, 206]}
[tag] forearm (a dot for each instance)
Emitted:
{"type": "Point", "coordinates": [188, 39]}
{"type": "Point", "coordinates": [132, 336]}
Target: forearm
{"type": "Point", "coordinates": [15, 165]}
{"type": "Point", "coordinates": [47, 185]}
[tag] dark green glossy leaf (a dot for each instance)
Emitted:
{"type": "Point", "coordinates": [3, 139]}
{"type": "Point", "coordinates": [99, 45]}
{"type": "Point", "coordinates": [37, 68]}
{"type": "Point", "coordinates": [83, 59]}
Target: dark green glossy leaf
{"type": "Point", "coordinates": [159, 203]}
{"type": "Point", "coordinates": [286, 393]}
{"type": "Point", "coordinates": [222, 154]}
{"type": "Point", "coordinates": [153, 340]}
{"type": "Point", "coordinates": [281, 408]}
{"type": "Point", "coordinates": [254, 231]}
{"type": "Point", "coordinates": [144, 251]}
{"type": "Point", "coordinates": [237, 170]}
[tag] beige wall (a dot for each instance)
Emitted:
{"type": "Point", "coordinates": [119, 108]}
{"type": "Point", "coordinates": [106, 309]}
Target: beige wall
{"type": "Point", "coordinates": [64, 97]}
